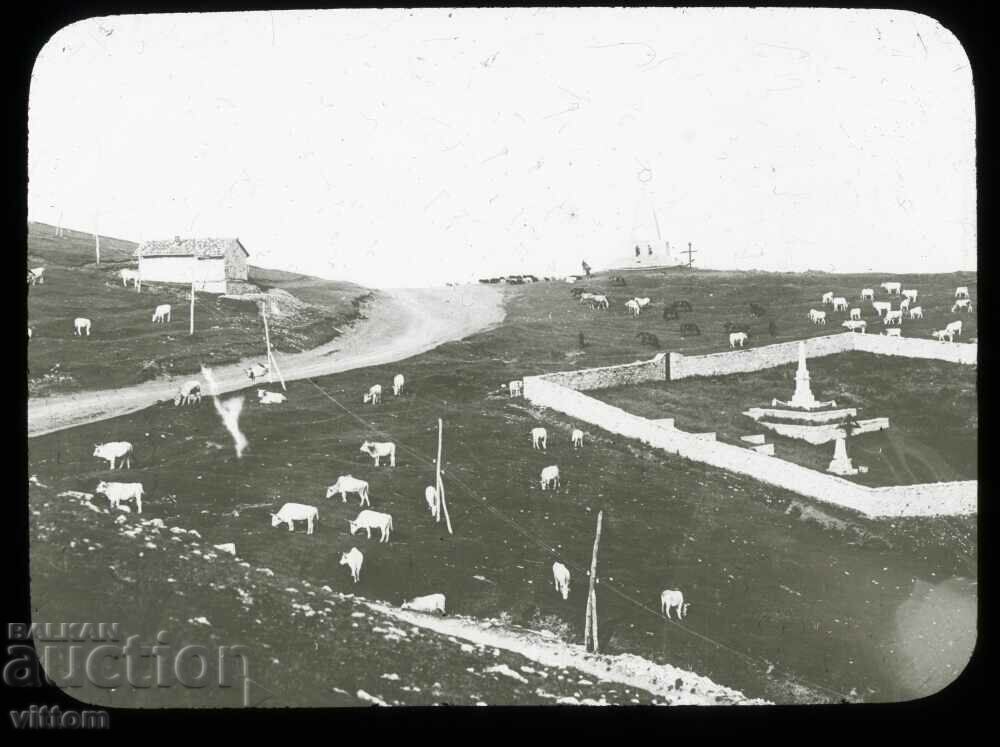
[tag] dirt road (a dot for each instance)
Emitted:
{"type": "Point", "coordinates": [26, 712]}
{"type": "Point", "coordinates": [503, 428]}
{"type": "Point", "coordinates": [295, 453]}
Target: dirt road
{"type": "Point", "coordinates": [399, 323]}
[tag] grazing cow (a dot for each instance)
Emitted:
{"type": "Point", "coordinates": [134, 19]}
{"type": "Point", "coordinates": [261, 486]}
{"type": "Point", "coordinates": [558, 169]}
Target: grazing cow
{"type": "Point", "coordinates": [586, 296]}
{"type": "Point", "coordinates": [577, 438]}
{"type": "Point", "coordinates": [433, 503]}
{"type": "Point", "coordinates": [270, 398]}
{"type": "Point", "coordinates": [81, 324]}
{"type": "Point", "coordinates": [347, 484]}
{"type": "Point", "coordinates": [828, 298]}
{"type": "Point", "coordinates": [917, 312]}
{"type": "Point", "coordinates": [397, 384]}
{"type": "Point", "coordinates": [892, 288]}
{"type": "Point", "coordinates": [550, 478]}
{"type": "Point", "coordinates": [941, 334]}
{"type": "Point", "coordinates": [904, 305]}
{"type": "Point", "coordinates": [189, 392]}
{"type": "Point", "coordinates": [115, 450]}
{"type": "Point", "coordinates": [955, 328]}
{"type": "Point", "coordinates": [576, 292]}
{"type": "Point", "coordinates": [292, 512]}
{"type": "Point", "coordinates": [867, 294]}
{"type": "Point", "coordinates": [162, 313]}
{"type": "Point", "coordinates": [560, 575]}
{"type": "Point", "coordinates": [894, 332]}
{"type": "Point", "coordinates": [353, 560]}
{"type": "Point", "coordinates": [881, 307]}
{"type": "Point", "coordinates": [633, 307]}
{"type": "Point", "coordinates": [643, 302]}
{"type": "Point", "coordinates": [377, 450]}
{"type": "Point", "coordinates": [739, 338]}
{"type": "Point", "coordinates": [840, 304]}
{"type": "Point", "coordinates": [257, 371]}
{"type": "Point", "coordinates": [127, 275]}
{"type": "Point", "coordinates": [647, 338]}
{"type": "Point", "coordinates": [911, 295]}
{"type": "Point", "coordinates": [369, 520]}
{"type": "Point", "coordinates": [429, 604]}
{"type": "Point", "coordinates": [757, 310]}
{"type": "Point", "coordinates": [963, 304]}
{"type": "Point", "coordinates": [817, 317]}
{"type": "Point", "coordinates": [121, 492]}
{"type": "Point", "coordinates": [854, 326]}
{"type": "Point", "coordinates": [682, 306]}
{"type": "Point", "coordinates": [672, 599]}
{"type": "Point", "coordinates": [374, 395]}
{"type": "Point", "coordinates": [36, 275]}
{"type": "Point", "coordinates": [690, 329]}
{"type": "Point", "coordinates": [516, 388]}
{"type": "Point", "coordinates": [962, 291]}
{"type": "Point", "coordinates": [600, 302]}
{"type": "Point", "coordinates": [893, 317]}
{"type": "Point", "coordinates": [855, 314]}
{"type": "Point", "coordinates": [539, 437]}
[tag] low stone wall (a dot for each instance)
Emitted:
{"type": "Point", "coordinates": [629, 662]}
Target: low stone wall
{"type": "Point", "coordinates": [757, 359]}
{"type": "Point", "coordinates": [917, 347]}
{"type": "Point", "coordinates": [612, 376]}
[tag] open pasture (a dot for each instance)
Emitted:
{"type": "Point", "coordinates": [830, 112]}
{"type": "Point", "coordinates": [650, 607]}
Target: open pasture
{"type": "Point", "coordinates": [816, 593]}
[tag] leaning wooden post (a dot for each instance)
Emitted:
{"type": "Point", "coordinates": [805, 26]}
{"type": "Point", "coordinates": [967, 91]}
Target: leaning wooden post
{"type": "Point", "coordinates": [590, 626]}
{"type": "Point", "coordinates": [440, 483]}
{"type": "Point", "coordinates": [191, 321]}
{"type": "Point", "coordinates": [272, 363]}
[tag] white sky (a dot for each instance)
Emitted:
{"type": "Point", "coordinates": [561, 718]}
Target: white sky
{"type": "Point", "coordinates": [398, 147]}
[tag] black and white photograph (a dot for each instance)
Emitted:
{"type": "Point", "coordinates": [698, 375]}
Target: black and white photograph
{"type": "Point", "coordinates": [499, 357]}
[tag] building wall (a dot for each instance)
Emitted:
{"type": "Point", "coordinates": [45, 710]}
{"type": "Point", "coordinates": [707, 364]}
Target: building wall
{"type": "Point", "coordinates": [236, 264]}
{"type": "Point", "coordinates": [209, 274]}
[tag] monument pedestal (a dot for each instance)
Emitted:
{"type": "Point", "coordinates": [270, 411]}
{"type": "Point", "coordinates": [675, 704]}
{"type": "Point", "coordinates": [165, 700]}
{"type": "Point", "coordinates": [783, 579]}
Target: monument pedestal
{"type": "Point", "coordinates": [841, 463]}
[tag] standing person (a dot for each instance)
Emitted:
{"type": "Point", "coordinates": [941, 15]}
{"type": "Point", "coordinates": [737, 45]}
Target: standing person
{"type": "Point", "coordinates": [772, 328]}
{"type": "Point", "coordinates": [649, 248]}
{"type": "Point", "coordinates": [586, 268]}
{"type": "Point", "coordinates": [636, 250]}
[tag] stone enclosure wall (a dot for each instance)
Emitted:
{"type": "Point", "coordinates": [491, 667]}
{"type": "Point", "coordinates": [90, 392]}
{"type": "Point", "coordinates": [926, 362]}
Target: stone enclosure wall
{"type": "Point", "coordinates": [612, 376]}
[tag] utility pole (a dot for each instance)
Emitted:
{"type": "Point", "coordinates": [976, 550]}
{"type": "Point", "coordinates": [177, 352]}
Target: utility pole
{"type": "Point", "coordinates": [590, 623]}
{"type": "Point", "coordinates": [442, 505]}
{"type": "Point", "coordinates": [689, 252]}
{"type": "Point", "coordinates": [191, 327]}
{"type": "Point", "coordinates": [97, 240]}
{"type": "Point", "coordinates": [271, 362]}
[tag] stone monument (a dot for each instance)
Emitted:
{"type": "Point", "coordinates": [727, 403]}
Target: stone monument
{"type": "Point", "coordinates": [803, 398]}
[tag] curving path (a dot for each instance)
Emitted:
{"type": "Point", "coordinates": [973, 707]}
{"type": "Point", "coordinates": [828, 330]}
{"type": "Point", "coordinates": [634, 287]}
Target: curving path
{"type": "Point", "coordinates": [400, 323]}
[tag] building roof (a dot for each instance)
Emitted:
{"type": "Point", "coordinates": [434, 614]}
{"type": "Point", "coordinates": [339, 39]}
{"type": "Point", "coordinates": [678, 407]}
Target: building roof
{"type": "Point", "coordinates": [178, 247]}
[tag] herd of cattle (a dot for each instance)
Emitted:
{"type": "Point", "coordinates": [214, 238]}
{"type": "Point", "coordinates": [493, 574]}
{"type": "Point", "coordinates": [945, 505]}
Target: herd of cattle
{"type": "Point", "coordinates": [892, 319]}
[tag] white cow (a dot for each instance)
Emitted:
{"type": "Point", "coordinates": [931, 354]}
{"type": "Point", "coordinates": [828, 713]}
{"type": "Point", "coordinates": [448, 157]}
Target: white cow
{"type": "Point", "coordinates": [962, 291]}
{"type": "Point", "coordinates": [941, 334]}
{"type": "Point", "coordinates": [121, 492]}
{"type": "Point", "coordinates": [672, 599]}
{"type": "Point", "coordinates": [347, 484]}
{"type": "Point", "coordinates": [257, 371]}
{"type": "Point", "coordinates": [516, 388]}
{"type": "Point", "coordinates": [643, 302]}
{"type": "Point", "coordinates": [854, 326]}
{"type": "Point", "coordinates": [431, 496]}
{"type": "Point", "coordinates": [737, 338]}
{"type": "Point", "coordinates": [162, 313]}
{"type": "Point", "coordinates": [892, 288]}
{"type": "Point", "coordinates": [560, 575]}
{"type": "Point", "coordinates": [910, 294]}
{"type": "Point", "coordinates": [955, 328]}
{"type": "Point", "coordinates": [881, 307]}
{"type": "Point", "coordinates": [600, 302]}
{"type": "Point", "coordinates": [190, 391]}
{"type": "Point", "coordinates": [429, 604]}
{"type": "Point", "coordinates": [376, 450]}
{"type": "Point", "coordinates": [29, 333]}
{"type": "Point", "coordinates": [114, 450]}
{"type": "Point", "coordinates": [81, 324]}
{"type": "Point", "coordinates": [827, 298]}
{"type": "Point", "coordinates": [917, 312]}
{"type": "Point", "coordinates": [37, 275]}
{"type": "Point", "coordinates": [894, 332]}
{"type": "Point", "coordinates": [369, 520]}
{"type": "Point", "coordinates": [856, 314]}
{"type": "Point", "coordinates": [374, 395]}
{"type": "Point", "coordinates": [817, 317]}
{"type": "Point", "coordinates": [550, 477]}
{"type": "Point", "coordinates": [577, 438]}
{"type": "Point", "coordinates": [867, 294]}
{"type": "Point", "coordinates": [292, 512]}
{"type": "Point", "coordinates": [965, 304]}
{"type": "Point", "coordinates": [893, 317]}
{"type": "Point", "coordinates": [353, 560]}
{"type": "Point", "coordinates": [127, 275]}
{"type": "Point", "coordinates": [632, 307]}
{"type": "Point", "coordinates": [539, 438]}
{"type": "Point", "coordinates": [587, 296]}
{"type": "Point", "coordinates": [904, 305]}
{"type": "Point", "coordinates": [840, 304]}
{"type": "Point", "coordinates": [397, 384]}
{"type": "Point", "coordinates": [270, 398]}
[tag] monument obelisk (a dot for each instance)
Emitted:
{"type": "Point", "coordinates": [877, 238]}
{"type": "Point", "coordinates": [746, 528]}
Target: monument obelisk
{"type": "Point", "coordinates": [803, 398]}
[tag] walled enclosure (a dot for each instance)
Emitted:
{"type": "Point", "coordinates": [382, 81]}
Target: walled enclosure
{"type": "Point", "coordinates": [563, 392]}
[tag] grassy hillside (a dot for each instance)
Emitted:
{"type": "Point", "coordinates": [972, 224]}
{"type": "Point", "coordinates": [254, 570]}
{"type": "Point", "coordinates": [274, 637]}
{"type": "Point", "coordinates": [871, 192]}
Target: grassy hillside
{"type": "Point", "coordinates": [788, 601]}
{"type": "Point", "coordinates": [126, 347]}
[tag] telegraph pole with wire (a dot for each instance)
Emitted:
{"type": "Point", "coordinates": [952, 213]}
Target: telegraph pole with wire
{"type": "Point", "coordinates": [690, 252]}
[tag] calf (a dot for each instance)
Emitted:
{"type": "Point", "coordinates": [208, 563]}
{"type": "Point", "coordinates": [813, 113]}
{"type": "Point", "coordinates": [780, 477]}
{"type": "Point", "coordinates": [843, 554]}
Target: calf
{"type": "Point", "coordinates": [190, 391]}
{"type": "Point", "coordinates": [577, 438]}
{"type": "Point", "coordinates": [397, 384]}
{"type": "Point", "coordinates": [737, 338]}
{"type": "Point", "coordinates": [671, 599]}
{"type": "Point", "coordinates": [432, 603]}
{"type": "Point", "coordinates": [115, 450]}
{"type": "Point", "coordinates": [162, 313]}
{"type": "Point", "coordinates": [292, 512]}
{"type": "Point", "coordinates": [369, 520]}
{"type": "Point", "coordinates": [941, 334]}
{"type": "Point", "coordinates": [377, 450]}
{"type": "Point", "coordinates": [347, 484]}
{"type": "Point", "coordinates": [539, 438]}
{"type": "Point", "coordinates": [560, 575]}
{"type": "Point", "coordinates": [550, 478]}
{"type": "Point", "coordinates": [121, 492]}
{"type": "Point", "coordinates": [80, 325]}
{"type": "Point", "coordinates": [353, 560]}
{"type": "Point", "coordinates": [374, 395]}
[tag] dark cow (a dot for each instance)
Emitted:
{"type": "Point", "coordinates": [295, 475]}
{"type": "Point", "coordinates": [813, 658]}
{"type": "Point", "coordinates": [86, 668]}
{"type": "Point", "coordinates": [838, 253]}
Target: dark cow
{"type": "Point", "coordinates": [648, 339]}
{"type": "Point", "coordinates": [757, 310]}
{"type": "Point", "coordinates": [618, 280]}
{"type": "Point", "coordinates": [689, 329]}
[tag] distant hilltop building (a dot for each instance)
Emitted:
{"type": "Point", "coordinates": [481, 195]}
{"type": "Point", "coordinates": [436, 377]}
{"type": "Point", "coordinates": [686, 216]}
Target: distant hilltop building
{"type": "Point", "coordinates": [216, 265]}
